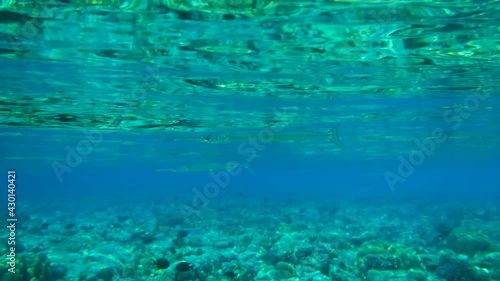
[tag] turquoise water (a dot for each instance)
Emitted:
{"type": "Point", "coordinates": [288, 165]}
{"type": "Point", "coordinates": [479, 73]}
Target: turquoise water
{"type": "Point", "coordinates": [250, 140]}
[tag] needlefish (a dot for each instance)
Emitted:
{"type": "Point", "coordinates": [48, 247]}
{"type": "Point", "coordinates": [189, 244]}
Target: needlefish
{"type": "Point", "coordinates": [279, 135]}
{"type": "Point", "coordinates": [230, 166]}
{"type": "Point", "coordinates": [249, 152]}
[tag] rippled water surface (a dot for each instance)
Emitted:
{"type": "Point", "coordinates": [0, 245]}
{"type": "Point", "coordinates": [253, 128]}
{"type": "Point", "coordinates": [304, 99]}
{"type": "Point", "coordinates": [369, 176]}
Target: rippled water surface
{"type": "Point", "coordinates": [381, 73]}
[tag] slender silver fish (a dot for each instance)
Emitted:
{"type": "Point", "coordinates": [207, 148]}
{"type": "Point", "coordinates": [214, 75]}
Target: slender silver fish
{"type": "Point", "coordinates": [277, 135]}
{"type": "Point", "coordinates": [202, 167]}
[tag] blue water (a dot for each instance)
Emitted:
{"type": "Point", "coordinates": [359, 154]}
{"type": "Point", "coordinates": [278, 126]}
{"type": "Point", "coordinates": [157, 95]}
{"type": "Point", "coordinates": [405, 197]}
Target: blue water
{"type": "Point", "coordinates": [250, 140]}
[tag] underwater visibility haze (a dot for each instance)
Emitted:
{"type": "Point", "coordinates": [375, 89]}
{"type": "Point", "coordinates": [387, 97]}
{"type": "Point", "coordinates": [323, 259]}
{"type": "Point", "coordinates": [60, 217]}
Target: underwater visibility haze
{"type": "Point", "coordinates": [217, 140]}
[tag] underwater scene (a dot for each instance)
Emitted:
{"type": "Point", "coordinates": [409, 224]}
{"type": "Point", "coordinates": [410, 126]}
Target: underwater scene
{"type": "Point", "coordinates": [250, 140]}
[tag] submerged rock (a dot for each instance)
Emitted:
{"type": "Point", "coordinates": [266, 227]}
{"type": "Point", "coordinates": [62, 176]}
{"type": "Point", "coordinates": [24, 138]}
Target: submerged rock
{"type": "Point", "coordinates": [468, 243]}
{"type": "Point", "coordinates": [489, 261]}
{"type": "Point", "coordinates": [384, 275]}
{"type": "Point", "coordinates": [417, 275]}
{"type": "Point", "coordinates": [452, 268]}
{"type": "Point", "coordinates": [382, 262]}
{"type": "Point", "coordinates": [283, 270]}
{"type": "Point", "coordinates": [107, 273]}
